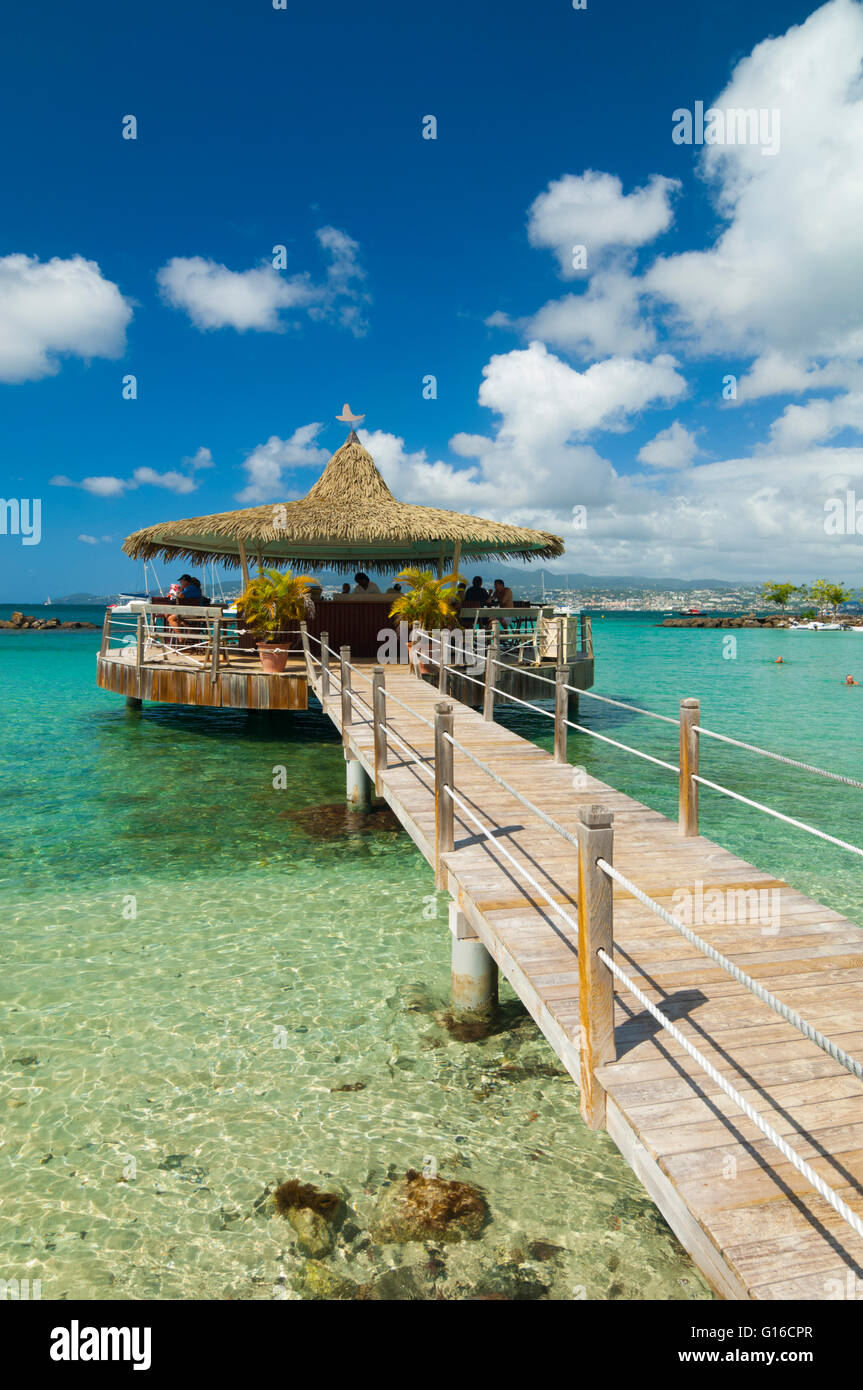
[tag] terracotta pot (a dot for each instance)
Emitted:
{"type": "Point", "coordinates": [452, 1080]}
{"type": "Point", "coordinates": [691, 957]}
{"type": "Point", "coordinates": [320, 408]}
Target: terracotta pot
{"type": "Point", "coordinates": [274, 658]}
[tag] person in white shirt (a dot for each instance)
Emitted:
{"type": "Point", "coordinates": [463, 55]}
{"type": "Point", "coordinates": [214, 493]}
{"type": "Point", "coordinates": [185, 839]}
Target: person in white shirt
{"type": "Point", "coordinates": [364, 585]}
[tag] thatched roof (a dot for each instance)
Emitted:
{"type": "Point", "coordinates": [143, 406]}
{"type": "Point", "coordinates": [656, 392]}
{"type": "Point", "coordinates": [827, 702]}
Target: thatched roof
{"type": "Point", "coordinates": [349, 519]}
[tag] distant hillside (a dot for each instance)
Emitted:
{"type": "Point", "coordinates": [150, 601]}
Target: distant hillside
{"type": "Point", "coordinates": [84, 600]}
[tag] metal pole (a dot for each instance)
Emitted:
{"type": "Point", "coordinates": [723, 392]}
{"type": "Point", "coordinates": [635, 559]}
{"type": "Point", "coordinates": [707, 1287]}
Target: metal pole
{"type": "Point", "coordinates": [443, 804]}
{"type": "Point", "coordinates": [595, 980]}
{"type": "Point", "coordinates": [690, 715]}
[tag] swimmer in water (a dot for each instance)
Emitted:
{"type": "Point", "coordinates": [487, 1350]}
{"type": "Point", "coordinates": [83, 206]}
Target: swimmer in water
{"type": "Point", "coordinates": [780, 661]}
{"type": "Point", "coordinates": [849, 680]}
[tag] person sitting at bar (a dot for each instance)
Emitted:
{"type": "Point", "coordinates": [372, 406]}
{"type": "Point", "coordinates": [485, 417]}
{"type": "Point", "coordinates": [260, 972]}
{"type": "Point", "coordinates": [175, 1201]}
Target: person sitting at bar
{"type": "Point", "coordinates": [346, 589]}
{"type": "Point", "coordinates": [190, 593]}
{"type": "Point", "coordinates": [501, 597]}
{"type": "Point", "coordinates": [394, 589]}
{"type": "Point", "coordinates": [476, 596]}
{"type": "Point", "coordinates": [364, 585]}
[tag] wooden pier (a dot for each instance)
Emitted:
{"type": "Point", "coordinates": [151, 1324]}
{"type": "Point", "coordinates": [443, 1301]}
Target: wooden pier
{"type": "Point", "coordinates": [754, 1225]}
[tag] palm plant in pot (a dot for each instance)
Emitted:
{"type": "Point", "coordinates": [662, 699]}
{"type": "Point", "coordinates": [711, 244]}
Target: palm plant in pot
{"type": "Point", "coordinates": [428, 605]}
{"type": "Point", "coordinates": [269, 603]}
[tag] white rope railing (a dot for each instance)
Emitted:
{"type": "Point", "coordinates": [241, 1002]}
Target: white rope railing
{"type": "Point", "coordinates": [660, 762]}
{"type": "Point", "coordinates": [779, 757]}
{"type": "Point", "coordinates": [790, 1015]}
{"type": "Point", "coordinates": [525, 873]}
{"type": "Point", "coordinates": [507, 786]}
{"type": "Point", "coordinates": [805, 1169]}
{"type": "Point", "coordinates": [778, 815]}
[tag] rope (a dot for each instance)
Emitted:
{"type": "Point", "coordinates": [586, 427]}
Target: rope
{"type": "Point", "coordinates": [516, 865]}
{"type": "Point", "coordinates": [391, 733]}
{"type": "Point", "coordinates": [790, 1015]}
{"type": "Point", "coordinates": [672, 767]}
{"type": "Point", "coordinates": [549, 820]}
{"type": "Point", "coordinates": [789, 820]}
{"type": "Point", "coordinates": [734, 1095]}
{"type": "Point", "coordinates": [780, 757]}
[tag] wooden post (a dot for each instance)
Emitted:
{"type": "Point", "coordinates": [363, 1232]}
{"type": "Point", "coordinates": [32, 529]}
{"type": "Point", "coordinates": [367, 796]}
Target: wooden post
{"type": "Point", "coordinates": [217, 637]}
{"type": "Point", "coordinates": [106, 632]}
{"type": "Point", "coordinates": [244, 563]}
{"type": "Point", "coordinates": [595, 980]}
{"type": "Point", "coordinates": [325, 666]}
{"type": "Point", "coordinates": [139, 647]}
{"type": "Point", "coordinates": [379, 709]}
{"type": "Point", "coordinates": [442, 652]}
{"type": "Point", "coordinates": [492, 654]}
{"type": "Point", "coordinates": [690, 715]}
{"type": "Point", "coordinates": [347, 707]}
{"type": "Point", "coordinates": [561, 710]}
{"type": "Point", "coordinates": [443, 804]}
{"type": "Point", "coordinates": [304, 638]}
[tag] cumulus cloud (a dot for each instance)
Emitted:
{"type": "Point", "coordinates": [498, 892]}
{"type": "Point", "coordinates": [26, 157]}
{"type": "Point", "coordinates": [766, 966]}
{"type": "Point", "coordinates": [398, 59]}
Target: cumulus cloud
{"type": "Point", "coordinates": [266, 464]}
{"type": "Point", "coordinates": [607, 319]}
{"type": "Point", "coordinates": [592, 210]}
{"type": "Point", "coordinates": [178, 480]}
{"type": "Point", "coordinates": [783, 277]}
{"type": "Point", "coordinates": [54, 309]}
{"type": "Point", "coordinates": [671, 448]}
{"type": "Point", "coordinates": [255, 300]}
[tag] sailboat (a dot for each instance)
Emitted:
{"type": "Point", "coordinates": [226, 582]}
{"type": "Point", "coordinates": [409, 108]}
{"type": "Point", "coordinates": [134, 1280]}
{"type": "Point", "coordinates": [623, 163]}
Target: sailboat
{"type": "Point", "coordinates": [47, 603]}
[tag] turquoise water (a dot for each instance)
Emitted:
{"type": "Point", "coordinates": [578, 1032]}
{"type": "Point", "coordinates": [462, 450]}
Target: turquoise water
{"type": "Point", "coordinates": [196, 964]}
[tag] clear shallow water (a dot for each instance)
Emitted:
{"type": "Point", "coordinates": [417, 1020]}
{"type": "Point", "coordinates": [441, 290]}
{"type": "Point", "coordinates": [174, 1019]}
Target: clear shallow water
{"type": "Point", "coordinates": [158, 1070]}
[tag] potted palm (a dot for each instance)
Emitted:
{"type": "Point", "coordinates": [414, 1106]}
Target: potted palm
{"type": "Point", "coordinates": [269, 603]}
{"type": "Point", "coordinates": [428, 605]}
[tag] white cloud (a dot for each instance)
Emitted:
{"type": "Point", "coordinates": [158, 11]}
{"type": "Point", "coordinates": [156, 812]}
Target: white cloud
{"type": "Point", "coordinates": [671, 448]}
{"type": "Point", "coordinates": [266, 463]}
{"type": "Point", "coordinates": [607, 319]}
{"type": "Point", "coordinates": [256, 299]}
{"type": "Point", "coordinates": [591, 210]}
{"type": "Point", "coordinates": [174, 480]}
{"type": "Point", "coordinates": [53, 309]}
{"type": "Point", "coordinates": [88, 540]}
{"type": "Point", "coordinates": [799, 426]}
{"type": "Point", "coordinates": [215, 297]}
{"type": "Point", "coordinates": [783, 278]}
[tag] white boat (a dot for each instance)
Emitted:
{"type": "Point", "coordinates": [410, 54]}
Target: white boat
{"type": "Point", "coordinates": [815, 627]}
{"type": "Point", "coordinates": [47, 603]}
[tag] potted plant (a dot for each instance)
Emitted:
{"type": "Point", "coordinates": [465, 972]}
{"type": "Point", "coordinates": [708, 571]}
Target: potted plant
{"type": "Point", "coordinates": [428, 605]}
{"type": "Point", "coordinates": [269, 603]}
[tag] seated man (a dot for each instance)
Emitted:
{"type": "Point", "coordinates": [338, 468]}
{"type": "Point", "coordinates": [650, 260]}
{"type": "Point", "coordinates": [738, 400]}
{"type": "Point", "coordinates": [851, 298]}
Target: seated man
{"type": "Point", "coordinates": [476, 596]}
{"type": "Point", "coordinates": [364, 585]}
{"type": "Point", "coordinates": [190, 593]}
{"type": "Point", "coordinates": [501, 597]}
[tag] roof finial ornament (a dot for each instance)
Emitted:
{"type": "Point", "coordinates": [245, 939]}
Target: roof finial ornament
{"type": "Point", "coordinates": [348, 418]}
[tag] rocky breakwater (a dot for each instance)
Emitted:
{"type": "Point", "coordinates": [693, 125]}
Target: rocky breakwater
{"type": "Point", "coordinates": [21, 622]}
{"type": "Point", "coordinates": [749, 620]}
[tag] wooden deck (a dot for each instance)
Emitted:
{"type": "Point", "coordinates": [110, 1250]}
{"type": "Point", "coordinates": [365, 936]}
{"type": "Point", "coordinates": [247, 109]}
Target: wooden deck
{"type": "Point", "coordinates": [241, 684]}
{"type": "Point", "coordinates": [753, 1225]}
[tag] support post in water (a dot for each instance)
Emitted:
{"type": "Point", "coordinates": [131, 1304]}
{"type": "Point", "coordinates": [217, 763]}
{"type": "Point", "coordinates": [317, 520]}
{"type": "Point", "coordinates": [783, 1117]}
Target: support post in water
{"type": "Point", "coordinates": [443, 803]}
{"type": "Point", "coordinates": [561, 710]}
{"type": "Point", "coordinates": [325, 665]}
{"type": "Point", "coordinates": [379, 710]}
{"type": "Point", "coordinates": [345, 681]}
{"type": "Point", "coordinates": [690, 715]}
{"type": "Point", "coordinates": [595, 980]}
{"type": "Point", "coordinates": [359, 783]}
{"type": "Point", "coordinates": [474, 969]}
{"type": "Point", "coordinates": [106, 631]}
{"type": "Point", "coordinates": [492, 654]}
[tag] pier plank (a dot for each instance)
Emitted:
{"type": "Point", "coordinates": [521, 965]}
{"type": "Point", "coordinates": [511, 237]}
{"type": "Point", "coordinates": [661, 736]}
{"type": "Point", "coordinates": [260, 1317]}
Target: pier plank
{"type": "Point", "coordinates": [762, 1233]}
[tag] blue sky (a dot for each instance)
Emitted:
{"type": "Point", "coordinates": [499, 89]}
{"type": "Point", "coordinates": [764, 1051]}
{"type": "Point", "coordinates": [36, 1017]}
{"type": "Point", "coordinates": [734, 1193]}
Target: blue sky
{"type": "Point", "coordinates": [260, 127]}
